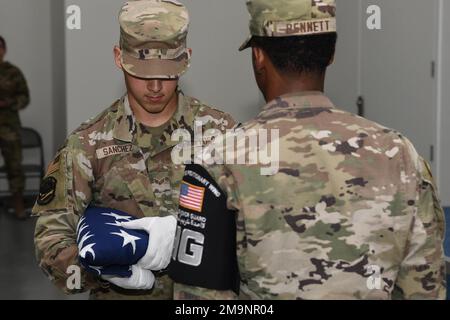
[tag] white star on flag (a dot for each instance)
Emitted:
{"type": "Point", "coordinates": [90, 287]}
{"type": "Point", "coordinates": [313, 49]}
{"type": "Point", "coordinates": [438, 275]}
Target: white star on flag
{"type": "Point", "coordinates": [98, 269]}
{"type": "Point", "coordinates": [127, 238]}
{"type": "Point", "coordinates": [88, 249]}
{"type": "Point", "coordinates": [80, 223]}
{"type": "Point", "coordinates": [83, 240]}
{"type": "Point", "coordinates": [80, 231]}
{"type": "Point", "coordinates": [116, 216]}
{"type": "Point", "coordinates": [115, 224]}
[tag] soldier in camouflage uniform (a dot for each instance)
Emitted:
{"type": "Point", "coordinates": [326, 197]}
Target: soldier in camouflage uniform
{"type": "Point", "coordinates": [121, 159]}
{"type": "Point", "coordinates": [352, 212]}
{"type": "Point", "coordinates": [14, 96]}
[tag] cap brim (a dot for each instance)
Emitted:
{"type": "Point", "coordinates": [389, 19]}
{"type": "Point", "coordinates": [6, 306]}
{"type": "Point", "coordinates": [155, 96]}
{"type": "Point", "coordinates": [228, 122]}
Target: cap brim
{"type": "Point", "coordinates": [246, 44]}
{"type": "Point", "coordinates": [155, 68]}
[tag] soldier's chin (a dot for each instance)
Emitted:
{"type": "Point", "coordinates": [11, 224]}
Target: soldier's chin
{"type": "Point", "coordinates": [154, 109]}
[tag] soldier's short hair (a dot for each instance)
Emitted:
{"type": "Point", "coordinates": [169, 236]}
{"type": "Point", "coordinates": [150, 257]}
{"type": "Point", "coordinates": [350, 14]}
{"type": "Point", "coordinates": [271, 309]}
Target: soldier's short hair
{"type": "Point", "coordinates": [2, 42]}
{"type": "Point", "coordinates": [298, 55]}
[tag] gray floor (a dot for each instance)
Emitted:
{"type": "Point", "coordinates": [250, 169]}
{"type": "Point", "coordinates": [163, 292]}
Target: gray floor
{"type": "Point", "coordinates": [20, 278]}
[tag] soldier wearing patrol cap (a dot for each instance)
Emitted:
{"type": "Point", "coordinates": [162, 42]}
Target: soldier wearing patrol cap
{"type": "Point", "coordinates": [351, 213]}
{"type": "Point", "coordinates": [14, 96]}
{"type": "Point", "coordinates": [121, 159]}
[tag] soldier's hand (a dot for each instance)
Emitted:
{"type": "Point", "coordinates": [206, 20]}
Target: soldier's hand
{"type": "Point", "coordinates": [140, 279]}
{"type": "Point", "coordinates": [161, 239]}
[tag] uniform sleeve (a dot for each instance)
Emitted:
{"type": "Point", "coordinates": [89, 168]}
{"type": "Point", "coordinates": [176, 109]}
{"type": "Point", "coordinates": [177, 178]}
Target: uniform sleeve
{"type": "Point", "coordinates": [213, 118]}
{"type": "Point", "coordinates": [422, 272]}
{"type": "Point", "coordinates": [185, 292]}
{"type": "Point", "coordinates": [227, 183]}
{"type": "Point", "coordinates": [64, 194]}
{"type": "Point", "coordinates": [21, 98]}
{"type": "Point", "coordinates": [231, 123]}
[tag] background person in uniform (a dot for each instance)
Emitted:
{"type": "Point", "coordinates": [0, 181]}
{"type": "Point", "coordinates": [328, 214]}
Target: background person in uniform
{"type": "Point", "coordinates": [14, 96]}
{"type": "Point", "coordinates": [352, 212]}
{"type": "Point", "coordinates": [122, 158]}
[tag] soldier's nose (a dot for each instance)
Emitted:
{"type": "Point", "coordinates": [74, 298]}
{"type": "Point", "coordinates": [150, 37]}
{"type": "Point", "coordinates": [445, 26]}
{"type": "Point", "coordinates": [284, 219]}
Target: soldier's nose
{"type": "Point", "coordinates": [154, 85]}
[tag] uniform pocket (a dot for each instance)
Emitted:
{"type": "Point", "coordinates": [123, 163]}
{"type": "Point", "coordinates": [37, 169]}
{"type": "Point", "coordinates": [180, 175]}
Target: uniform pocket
{"type": "Point", "coordinates": [125, 186]}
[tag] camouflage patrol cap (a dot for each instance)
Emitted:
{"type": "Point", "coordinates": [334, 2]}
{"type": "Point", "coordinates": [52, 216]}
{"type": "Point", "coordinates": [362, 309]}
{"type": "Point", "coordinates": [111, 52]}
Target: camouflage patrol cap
{"type": "Point", "coordinates": [283, 18]}
{"type": "Point", "coordinates": [153, 38]}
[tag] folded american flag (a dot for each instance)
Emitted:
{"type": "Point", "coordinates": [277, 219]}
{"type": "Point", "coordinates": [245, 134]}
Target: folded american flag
{"type": "Point", "coordinates": [105, 248]}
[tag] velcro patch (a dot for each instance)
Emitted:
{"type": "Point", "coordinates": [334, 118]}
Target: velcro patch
{"type": "Point", "coordinates": [47, 191]}
{"type": "Point", "coordinates": [192, 197]}
{"type": "Point", "coordinates": [301, 27]}
{"type": "Point", "coordinates": [54, 166]}
{"type": "Point", "coordinates": [113, 150]}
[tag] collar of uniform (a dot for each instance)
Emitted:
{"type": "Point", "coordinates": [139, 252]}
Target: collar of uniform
{"type": "Point", "coordinates": [125, 127]}
{"type": "Point", "coordinates": [154, 139]}
{"type": "Point", "coordinates": [305, 99]}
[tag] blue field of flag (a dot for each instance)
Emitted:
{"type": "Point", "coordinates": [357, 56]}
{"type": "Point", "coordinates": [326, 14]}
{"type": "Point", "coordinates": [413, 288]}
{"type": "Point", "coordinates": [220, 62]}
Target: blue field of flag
{"type": "Point", "coordinates": [106, 248]}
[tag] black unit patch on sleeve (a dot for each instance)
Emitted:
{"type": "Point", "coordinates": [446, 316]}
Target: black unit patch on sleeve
{"type": "Point", "coordinates": [47, 191]}
{"type": "Point", "coordinates": [205, 243]}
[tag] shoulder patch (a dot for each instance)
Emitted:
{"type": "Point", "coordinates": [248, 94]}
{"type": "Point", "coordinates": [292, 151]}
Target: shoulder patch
{"type": "Point", "coordinates": [192, 197]}
{"type": "Point", "coordinates": [428, 169]}
{"type": "Point", "coordinates": [54, 166]}
{"type": "Point", "coordinates": [427, 173]}
{"type": "Point", "coordinates": [47, 191]}
{"type": "Point", "coordinates": [53, 193]}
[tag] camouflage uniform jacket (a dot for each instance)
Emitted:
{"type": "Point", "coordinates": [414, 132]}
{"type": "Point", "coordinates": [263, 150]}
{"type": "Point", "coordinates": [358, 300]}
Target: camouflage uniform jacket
{"type": "Point", "coordinates": [352, 213]}
{"type": "Point", "coordinates": [13, 90]}
{"type": "Point", "coordinates": [112, 161]}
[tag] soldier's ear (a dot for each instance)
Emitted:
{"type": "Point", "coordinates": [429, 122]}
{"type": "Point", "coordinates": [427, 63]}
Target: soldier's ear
{"type": "Point", "coordinates": [259, 60]}
{"type": "Point", "coordinates": [118, 57]}
{"type": "Point", "coordinates": [190, 52]}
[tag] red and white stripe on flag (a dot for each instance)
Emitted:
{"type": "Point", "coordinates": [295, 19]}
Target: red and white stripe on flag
{"type": "Point", "coordinates": [191, 197]}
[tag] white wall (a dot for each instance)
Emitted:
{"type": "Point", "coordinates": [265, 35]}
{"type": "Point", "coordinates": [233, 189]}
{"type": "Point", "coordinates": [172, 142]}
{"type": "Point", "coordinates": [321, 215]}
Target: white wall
{"type": "Point", "coordinates": [82, 62]}
{"type": "Point", "coordinates": [26, 26]}
{"type": "Point", "coordinates": [219, 75]}
{"type": "Point", "coordinates": [59, 73]}
{"type": "Point", "coordinates": [444, 176]}
{"type": "Point", "coordinates": [92, 80]}
{"type": "Point", "coordinates": [343, 88]}
{"type": "Point", "coordinates": [342, 77]}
